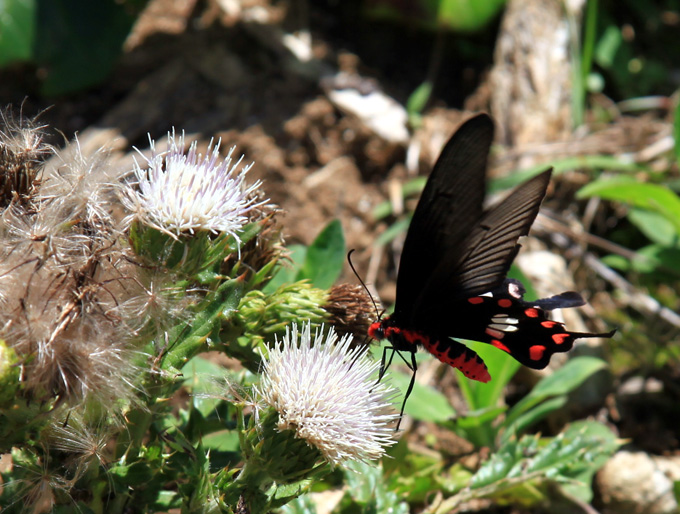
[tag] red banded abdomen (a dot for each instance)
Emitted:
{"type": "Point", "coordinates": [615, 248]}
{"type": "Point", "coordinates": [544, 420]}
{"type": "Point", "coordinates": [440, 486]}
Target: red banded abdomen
{"type": "Point", "coordinates": [448, 351]}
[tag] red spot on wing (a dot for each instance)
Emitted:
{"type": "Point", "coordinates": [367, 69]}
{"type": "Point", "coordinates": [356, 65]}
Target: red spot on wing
{"type": "Point", "coordinates": [475, 300]}
{"type": "Point", "coordinates": [500, 345]}
{"type": "Point", "coordinates": [505, 303]}
{"type": "Point", "coordinates": [531, 312]}
{"type": "Point", "coordinates": [548, 324]}
{"type": "Point", "coordinates": [560, 338]}
{"type": "Point", "coordinates": [536, 352]}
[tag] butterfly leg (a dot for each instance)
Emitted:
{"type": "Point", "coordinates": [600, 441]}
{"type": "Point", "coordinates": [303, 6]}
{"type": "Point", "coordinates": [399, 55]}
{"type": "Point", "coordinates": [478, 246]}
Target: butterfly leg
{"type": "Point", "coordinates": [384, 363]}
{"type": "Point", "coordinates": [414, 367]}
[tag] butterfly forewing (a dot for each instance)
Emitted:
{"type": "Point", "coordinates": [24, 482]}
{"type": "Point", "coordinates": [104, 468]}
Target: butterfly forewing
{"type": "Point", "coordinates": [492, 244]}
{"type": "Point", "coordinates": [450, 206]}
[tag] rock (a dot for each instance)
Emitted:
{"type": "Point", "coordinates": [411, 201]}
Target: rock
{"type": "Point", "coordinates": [636, 483]}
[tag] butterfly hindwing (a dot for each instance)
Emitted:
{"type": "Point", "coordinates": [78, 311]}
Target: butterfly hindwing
{"type": "Point", "coordinates": [522, 328]}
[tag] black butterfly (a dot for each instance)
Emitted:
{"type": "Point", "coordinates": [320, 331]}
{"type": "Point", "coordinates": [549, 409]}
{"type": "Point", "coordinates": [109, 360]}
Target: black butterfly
{"type": "Point", "coordinates": [452, 276]}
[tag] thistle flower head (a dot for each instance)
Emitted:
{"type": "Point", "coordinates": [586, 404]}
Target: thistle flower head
{"type": "Point", "coordinates": [186, 192]}
{"type": "Point", "coordinates": [326, 393]}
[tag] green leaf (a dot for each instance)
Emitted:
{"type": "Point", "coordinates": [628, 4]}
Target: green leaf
{"type": "Point", "coordinates": [561, 382]}
{"type": "Point", "coordinates": [368, 488]}
{"type": "Point", "coordinates": [425, 403]}
{"type": "Point", "coordinates": [676, 130]}
{"type": "Point", "coordinates": [416, 103]}
{"type": "Point", "coordinates": [78, 41]}
{"type": "Point", "coordinates": [607, 47]}
{"type": "Point", "coordinates": [647, 196]}
{"type": "Point", "coordinates": [594, 162]}
{"type": "Point", "coordinates": [502, 367]}
{"type": "Point", "coordinates": [223, 441]}
{"type": "Point", "coordinates": [325, 257]}
{"type": "Point", "coordinates": [520, 472]}
{"type": "Point", "coordinates": [467, 15]}
{"type": "Point", "coordinates": [188, 339]}
{"type": "Point", "coordinates": [453, 15]}
{"type": "Point", "coordinates": [654, 225]}
{"type": "Point", "coordinates": [497, 467]}
{"type": "Point", "coordinates": [17, 30]}
{"type": "Point", "coordinates": [606, 443]}
{"type": "Point", "coordinates": [656, 257]}
{"type": "Point", "coordinates": [287, 271]}
{"type": "Point", "coordinates": [134, 474]}
{"type": "Point", "coordinates": [533, 416]}
{"type": "Point", "coordinates": [617, 262]}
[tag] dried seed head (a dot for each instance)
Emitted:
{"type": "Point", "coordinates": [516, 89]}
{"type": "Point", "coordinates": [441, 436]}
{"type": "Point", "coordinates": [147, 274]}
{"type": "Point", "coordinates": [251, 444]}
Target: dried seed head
{"type": "Point", "coordinates": [22, 151]}
{"type": "Point", "coordinates": [61, 269]}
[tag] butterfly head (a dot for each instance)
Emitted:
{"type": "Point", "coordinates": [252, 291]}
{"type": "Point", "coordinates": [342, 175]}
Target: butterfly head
{"type": "Point", "coordinates": [377, 330]}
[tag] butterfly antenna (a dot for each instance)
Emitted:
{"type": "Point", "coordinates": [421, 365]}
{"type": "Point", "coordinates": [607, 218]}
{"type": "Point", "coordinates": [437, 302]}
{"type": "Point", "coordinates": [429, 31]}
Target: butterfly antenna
{"type": "Point", "coordinates": [351, 265]}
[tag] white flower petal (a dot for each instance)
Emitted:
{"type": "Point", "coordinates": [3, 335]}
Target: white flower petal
{"type": "Point", "coordinates": [327, 393]}
{"type": "Point", "coordinates": [185, 192]}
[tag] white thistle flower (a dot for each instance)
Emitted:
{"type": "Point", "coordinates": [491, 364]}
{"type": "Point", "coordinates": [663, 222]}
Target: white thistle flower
{"type": "Point", "coordinates": [189, 192]}
{"type": "Point", "coordinates": [327, 394]}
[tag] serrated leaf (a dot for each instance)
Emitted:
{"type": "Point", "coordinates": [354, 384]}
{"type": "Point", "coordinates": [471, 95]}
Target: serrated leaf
{"type": "Point", "coordinates": [368, 488]}
{"type": "Point", "coordinates": [133, 474]}
{"type": "Point", "coordinates": [493, 470]}
{"type": "Point", "coordinates": [187, 339]}
{"type": "Point", "coordinates": [520, 472]}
